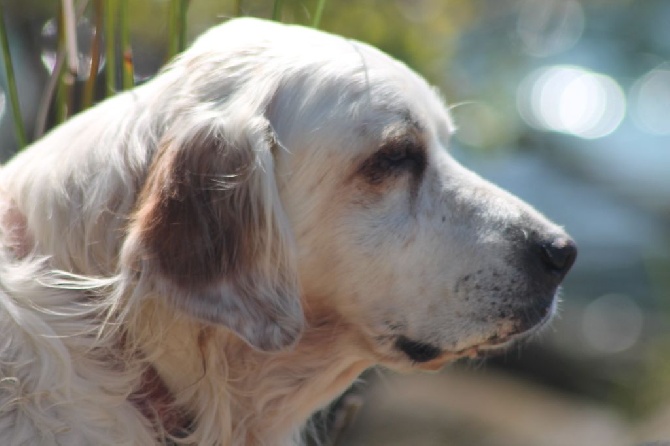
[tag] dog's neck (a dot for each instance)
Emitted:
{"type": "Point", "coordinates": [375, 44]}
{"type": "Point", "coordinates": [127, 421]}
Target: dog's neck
{"type": "Point", "coordinates": [268, 397]}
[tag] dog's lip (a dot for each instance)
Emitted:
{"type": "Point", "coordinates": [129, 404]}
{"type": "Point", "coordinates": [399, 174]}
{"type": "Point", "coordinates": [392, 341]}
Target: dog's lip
{"type": "Point", "coordinates": [493, 344]}
{"type": "Point", "coordinates": [472, 352]}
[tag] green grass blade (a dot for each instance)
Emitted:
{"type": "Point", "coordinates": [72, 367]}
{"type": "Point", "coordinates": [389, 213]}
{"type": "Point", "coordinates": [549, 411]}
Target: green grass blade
{"type": "Point", "coordinates": [173, 25]}
{"type": "Point", "coordinates": [319, 13]}
{"type": "Point", "coordinates": [183, 11]}
{"type": "Point", "coordinates": [110, 44]}
{"type": "Point", "coordinates": [65, 97]}
{"type": "Point", "coordinates": [19, 128]}
{"type": "Point", "coordinates": [60, 97]}
{"type": "Point", "coordinates": [96, 48]}
{"type": "Point", "coordinates": [67, 34]}
{"type": "Point", "coordinates": [276, 10]}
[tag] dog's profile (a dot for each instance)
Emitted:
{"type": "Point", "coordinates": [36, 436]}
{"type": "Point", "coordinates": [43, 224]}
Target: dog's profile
{"type": "Point", "coordinates": [212, 257]}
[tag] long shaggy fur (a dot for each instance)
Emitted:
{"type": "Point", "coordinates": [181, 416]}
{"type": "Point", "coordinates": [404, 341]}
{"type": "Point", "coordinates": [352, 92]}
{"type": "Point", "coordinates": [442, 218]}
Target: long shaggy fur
{"type": "Point", "coordinates": [78, 320]}
{"type": "Point", "coordinates": [212, 257]}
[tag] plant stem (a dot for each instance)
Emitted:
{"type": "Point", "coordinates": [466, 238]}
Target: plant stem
{"type": "Point", "coordinates": [19, 129]}
{"type": "Point", "coordinates": [183, 11]}
{"type": "Point", "coordinates": [319, 13]}
{"type": "Point", "coordinates": [128, 77]}
{"type": "Point", "coordinates": [70, 36]}
{"type": "Point", "coordinates": [110, 44]}
{"type": "Point", "coordinates": [67, 35]}
{"type": "Point", "coordinates": [276, 10]}
{"type": "Point", "coordinates": [173, 25]}
{"type": "Point", "coordinates": [47, 96]}
{"type": "Point", "coordinates": [96, 47]}
{"type": "Point", "coordinates": [51, 90]}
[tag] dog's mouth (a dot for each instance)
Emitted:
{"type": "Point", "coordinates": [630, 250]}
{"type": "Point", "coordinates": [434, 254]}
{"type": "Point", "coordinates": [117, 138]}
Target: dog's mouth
{"type": "Point", "coordinates": [490, 346]}
{"type": "Point", "coordinates": [427, 356]}
{"type": "Point", "coordinates": [430, 357]}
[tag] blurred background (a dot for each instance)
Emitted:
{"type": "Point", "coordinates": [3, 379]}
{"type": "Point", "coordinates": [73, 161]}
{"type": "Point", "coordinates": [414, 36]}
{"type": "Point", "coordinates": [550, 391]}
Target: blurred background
{"type": "Point", "coordinates": [565, 103]}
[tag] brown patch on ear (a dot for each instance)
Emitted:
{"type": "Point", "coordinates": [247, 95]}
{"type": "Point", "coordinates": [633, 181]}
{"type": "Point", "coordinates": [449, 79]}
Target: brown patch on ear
{"type": "Point", "coordinates": [208, 235]}
{"type": "Point", "coordinates": [185, 222]}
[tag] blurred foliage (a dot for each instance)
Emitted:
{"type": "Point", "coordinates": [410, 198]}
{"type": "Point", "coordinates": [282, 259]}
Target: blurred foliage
{"type": "Point", "coordinates": [11, 83]}
{"type": "Point", "coordinates": [419, 32]}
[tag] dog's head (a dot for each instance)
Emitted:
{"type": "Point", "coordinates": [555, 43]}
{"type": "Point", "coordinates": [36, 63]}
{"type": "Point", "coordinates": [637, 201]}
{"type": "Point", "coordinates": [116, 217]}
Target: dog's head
{"type": "Point", "coordinates": [300, 169]}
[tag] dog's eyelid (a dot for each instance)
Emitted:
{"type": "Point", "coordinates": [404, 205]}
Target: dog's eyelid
{"type": "Point", "coordinates": [404, 148]}
{"type": "Point", "coordinates": [396, 152]}
{"type": "Point", "coordinates": [394, 157]}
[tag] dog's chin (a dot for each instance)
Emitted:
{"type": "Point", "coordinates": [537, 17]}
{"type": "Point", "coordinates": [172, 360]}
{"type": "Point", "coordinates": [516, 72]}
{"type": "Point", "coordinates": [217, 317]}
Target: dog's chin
{"type": "Point", "coordinates": [427, 357]}
{"type": "Point", "coordinates": [490, 347]}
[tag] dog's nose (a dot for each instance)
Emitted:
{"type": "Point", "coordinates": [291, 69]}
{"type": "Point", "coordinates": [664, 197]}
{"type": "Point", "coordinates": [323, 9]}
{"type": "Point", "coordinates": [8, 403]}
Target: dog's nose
{"type": "Point", "coordinates": [559, 254]}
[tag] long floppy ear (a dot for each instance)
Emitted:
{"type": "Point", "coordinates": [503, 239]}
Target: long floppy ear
{"type": "Point", "coordinates": [212, 235]}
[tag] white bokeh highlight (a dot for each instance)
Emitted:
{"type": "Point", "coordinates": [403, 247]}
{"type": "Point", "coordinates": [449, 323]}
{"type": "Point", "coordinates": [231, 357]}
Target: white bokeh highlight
{"type": "Point", "coordinates": [571, 100]}
{"type": "Point", "coordinates": [650, 102]}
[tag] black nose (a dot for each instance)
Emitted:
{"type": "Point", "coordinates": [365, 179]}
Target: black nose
{"type": "Point", "coordinates": [559, 255]}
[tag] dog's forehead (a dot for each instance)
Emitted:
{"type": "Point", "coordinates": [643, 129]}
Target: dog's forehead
{"type": "Point", "coordinates": [329, 78]}
{"type": "Point", "coordinates": [398, 96]}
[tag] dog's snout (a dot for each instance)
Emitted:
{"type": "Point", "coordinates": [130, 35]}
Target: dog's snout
{"type": "Point", "coordinates": [558, 254]}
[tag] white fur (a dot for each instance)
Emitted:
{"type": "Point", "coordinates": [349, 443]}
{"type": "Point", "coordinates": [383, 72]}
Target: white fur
{"type": "Point", "coordinates": [272, 127]}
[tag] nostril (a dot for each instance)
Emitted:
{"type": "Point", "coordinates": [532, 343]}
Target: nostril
{"type": "Point", "coordinates": [559, 254]}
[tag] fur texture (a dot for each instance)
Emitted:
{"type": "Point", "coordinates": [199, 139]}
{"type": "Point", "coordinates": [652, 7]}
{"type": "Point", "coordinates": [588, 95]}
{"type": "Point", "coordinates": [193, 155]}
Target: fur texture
{"type": "Point", "coordinates": [215, 255]}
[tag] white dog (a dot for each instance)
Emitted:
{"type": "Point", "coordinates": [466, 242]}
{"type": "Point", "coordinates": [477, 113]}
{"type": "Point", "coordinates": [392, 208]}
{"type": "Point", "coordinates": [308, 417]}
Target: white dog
{"type": "Point", "coordinates": [215, 255]}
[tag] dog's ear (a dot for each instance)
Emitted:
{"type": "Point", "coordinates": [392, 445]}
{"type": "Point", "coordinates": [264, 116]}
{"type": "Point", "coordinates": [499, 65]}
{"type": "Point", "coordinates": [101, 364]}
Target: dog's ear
{"type": "Point", "coordinates": [210, 233]}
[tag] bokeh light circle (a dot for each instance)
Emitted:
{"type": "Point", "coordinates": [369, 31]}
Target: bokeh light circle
{"type": "Point", "coordinates": [650, 102]}
{"type": "Point", "coordinates": [571, 100]}
{"type": "Point", "coordinates": [612, 323]}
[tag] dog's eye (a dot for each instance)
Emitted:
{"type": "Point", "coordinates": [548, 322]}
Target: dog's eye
{"type": "Point", "coordinates": [399, 154]}
{"type": "Point", "coordinates": [396, 153]}
{"type": "Point", "coordinates": [393, 159]}
{"type": "Point", "coordinates": [407, 154]}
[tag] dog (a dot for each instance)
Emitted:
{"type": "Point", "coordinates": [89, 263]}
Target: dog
{"type": "Point", "coordinates": [212, 257]}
